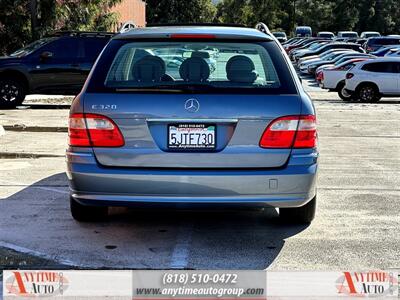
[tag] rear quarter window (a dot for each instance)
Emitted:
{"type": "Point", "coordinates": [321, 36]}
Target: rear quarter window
{"type": "Point", "coordinates": [205, 66]}
{"type": "Point", "coordinates": [383, 67]}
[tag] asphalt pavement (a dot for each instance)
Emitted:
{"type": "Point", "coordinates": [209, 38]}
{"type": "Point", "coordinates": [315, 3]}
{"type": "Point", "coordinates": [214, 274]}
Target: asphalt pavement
{"type": "Point", "coordinates": [356, 226]}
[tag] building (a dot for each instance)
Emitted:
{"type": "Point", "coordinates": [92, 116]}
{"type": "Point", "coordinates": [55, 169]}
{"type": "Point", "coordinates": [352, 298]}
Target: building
{"type": "Point", "coordinates": [131, 10]}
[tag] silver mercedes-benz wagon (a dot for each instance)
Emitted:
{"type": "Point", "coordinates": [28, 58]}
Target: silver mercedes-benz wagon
{"type": "Point", "coordinates": [193, 114]}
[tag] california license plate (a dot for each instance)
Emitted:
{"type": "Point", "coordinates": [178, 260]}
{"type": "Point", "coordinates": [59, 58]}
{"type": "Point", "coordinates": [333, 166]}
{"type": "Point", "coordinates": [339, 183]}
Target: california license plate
{"type": "Point", "coordinates": [191, 136]}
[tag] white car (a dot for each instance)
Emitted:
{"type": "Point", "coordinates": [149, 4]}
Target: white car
{"type": "Point", "coordinates": [368, 34]}
{"type": "Point", "coordinates": [347, 34]}
{"type": "Point", "coordinates": [373, 79]}
{"type": "Point", "coordinates": [333, 78]}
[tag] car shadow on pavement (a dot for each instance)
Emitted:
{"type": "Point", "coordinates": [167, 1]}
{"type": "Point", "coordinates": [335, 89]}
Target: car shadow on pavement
{"type": "Point", "coordinates": [156, 237]}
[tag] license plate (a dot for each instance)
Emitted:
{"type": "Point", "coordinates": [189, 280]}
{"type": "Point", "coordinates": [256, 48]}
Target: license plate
{"type": "Point", "coordinates": [191, 136]}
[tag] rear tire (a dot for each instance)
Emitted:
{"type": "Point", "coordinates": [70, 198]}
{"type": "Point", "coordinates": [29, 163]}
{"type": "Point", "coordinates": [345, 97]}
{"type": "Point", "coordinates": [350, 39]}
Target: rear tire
{"type": "Point", "coordinates": [343, 94]}
{"type": "Point", "coordinates": [299, 215]}
{"type": "Point", "coordinates": [368, 93]}
{"type": "Point", "coordinates": [83, 213]}
{"type": "Point", "coordinates": [12, 93]}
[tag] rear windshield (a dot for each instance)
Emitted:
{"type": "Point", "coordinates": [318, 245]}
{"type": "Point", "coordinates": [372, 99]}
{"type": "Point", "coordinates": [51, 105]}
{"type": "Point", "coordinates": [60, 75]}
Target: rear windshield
{"type": "Point", "coordinates": [385, 41]}
{"type": "Point", "coordinates": [201, 66]}
{"type": "Point", "coordinates": [349, 35]}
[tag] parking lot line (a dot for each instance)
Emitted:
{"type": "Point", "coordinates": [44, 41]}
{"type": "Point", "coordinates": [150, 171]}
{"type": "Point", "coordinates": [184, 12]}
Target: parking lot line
{"type": "Point", "coordinates": [180, 255]}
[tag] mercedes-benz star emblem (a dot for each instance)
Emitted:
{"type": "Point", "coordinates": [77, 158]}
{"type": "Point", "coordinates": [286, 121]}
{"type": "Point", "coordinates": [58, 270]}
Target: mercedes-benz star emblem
{"type": "Point", "coordinates": [192, 105]}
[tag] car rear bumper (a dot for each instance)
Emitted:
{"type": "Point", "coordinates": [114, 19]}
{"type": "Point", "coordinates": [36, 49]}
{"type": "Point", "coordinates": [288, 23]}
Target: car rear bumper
{"type": "Point", "coordinates": [289, 186]}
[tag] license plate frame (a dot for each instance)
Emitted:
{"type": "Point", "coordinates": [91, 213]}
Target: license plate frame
{"type": "Point", "coordinates": [196, 128]}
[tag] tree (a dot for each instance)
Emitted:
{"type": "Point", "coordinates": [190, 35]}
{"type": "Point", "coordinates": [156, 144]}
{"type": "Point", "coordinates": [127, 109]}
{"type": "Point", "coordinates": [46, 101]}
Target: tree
{"type": "Point", "coordinates": [18, 25]}
{"type": "Point", "coordinates": [85, 15]}
{"type": "Point", "coordinates": [178, 11]}
{"type": "Point", "coordinates": [14, 24]}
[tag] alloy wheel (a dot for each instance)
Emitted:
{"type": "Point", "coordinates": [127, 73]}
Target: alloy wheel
{"type": "Point", "coordinates": [9, 92]}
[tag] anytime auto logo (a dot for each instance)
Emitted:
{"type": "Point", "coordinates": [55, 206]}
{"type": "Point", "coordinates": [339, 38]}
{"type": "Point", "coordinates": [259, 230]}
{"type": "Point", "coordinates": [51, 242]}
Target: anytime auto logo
{"type": "Point", "coordinates": [367, 284]}
{"type": "Point", "coordinates": [35, 284]}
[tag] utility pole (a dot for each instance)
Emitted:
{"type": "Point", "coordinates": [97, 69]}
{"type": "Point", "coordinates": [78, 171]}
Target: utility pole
{"type": "Point", "coordinates": [34, 25]}
{"type": "Point", "coordinates": [294, 15]}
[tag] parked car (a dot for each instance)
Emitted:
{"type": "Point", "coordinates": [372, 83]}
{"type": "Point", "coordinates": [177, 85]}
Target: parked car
{"type": "Point", "coordinates": [373, 44]}
{"type": "Point", "coordinates": [305, 49]}
{"type": "Point", "coordinates": [345, 58]}
{"type": "Point", "coordinates": [301, 44]}
{"type": "Point", "coordinates": [369, 34]}
{"type": "Point", "coordinates": [303, 31]}
{"type": "Point", "coordinates": [338, 59]}
{"type": "Point", "coordinates": [393, 53]}
{"type": "Point", "coordinates": [384, 50]}
{"type": "Point", "coordinates": [371, 80]}
{"type": "Point", "coordinates": [291, 41]}
{"type": "Point", "coordinates": [333, 78]}
{"type": "Point", "coordinates": [326, 34]}
{"type": "Point", "coordinates": [280, 36]}
{"type": "Point", "coordinates": [312, 58]}
{"type": "Point", "coordinates": [347, 34]}
{"type": "Point", "coordinates": [139, 135]}
{"type": "Point", "coordinates": [58, 64]}
{"type": "Point", "coordinates": [330, 46]}
{"type": "Point", "coordinates": [324, 58]}
{"type": "Point", "coordinates": [360, 41]}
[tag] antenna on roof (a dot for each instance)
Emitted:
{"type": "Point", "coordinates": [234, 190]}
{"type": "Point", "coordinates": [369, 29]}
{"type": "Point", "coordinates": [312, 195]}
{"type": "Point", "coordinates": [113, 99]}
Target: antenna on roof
{"type": "Point", "coordinates": [263, 28]}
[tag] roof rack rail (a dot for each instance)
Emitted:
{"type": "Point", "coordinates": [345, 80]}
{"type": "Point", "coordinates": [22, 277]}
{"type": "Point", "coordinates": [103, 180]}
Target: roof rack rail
{"type": "Point", "coordinates": [196, 24]}
{"type": "Point", "coordinates": [263, 28]}
{"type": "Point", "coordinates": [81, 33]}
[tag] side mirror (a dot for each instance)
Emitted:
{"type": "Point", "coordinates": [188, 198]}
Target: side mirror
{"type": "Point", "coordinates": [46, 55]}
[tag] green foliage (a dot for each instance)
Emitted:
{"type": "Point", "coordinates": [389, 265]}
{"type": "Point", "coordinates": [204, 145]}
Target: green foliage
{"type": "Point", "coordinates": [321, 15]}
{"type": "Point", "coordinates": [15, 23]}
{"type": "Point", "coordinates": [180, 11]}
{"type": "Point", "coordinates": [85, 15]}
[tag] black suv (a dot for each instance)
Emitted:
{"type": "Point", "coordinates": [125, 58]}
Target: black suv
{"type": "Point", "coordinates": [57, 64]}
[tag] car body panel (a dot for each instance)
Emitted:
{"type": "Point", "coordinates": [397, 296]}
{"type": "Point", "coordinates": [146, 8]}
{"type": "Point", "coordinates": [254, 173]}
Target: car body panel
{"type": "Point", "coordinates": [239, 129]}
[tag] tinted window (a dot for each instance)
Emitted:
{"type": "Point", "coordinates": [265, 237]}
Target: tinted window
{"type": "Point", "coordinates": [386, 41]}
{"type": "Point", "coordinates": [381, 67]}
{"type": "Point", "coordinates": [65, 48]}
{"type": "Point", "coordinates": [349, 35]}
{"type": "Point", "coordinates": [208, 66]}
{"type": "Point", "coordinates": [93, 47]}
{"type": "Point", "coordinates": [32, 47]}
{"type": "Point", "coordinates": [227, 64]}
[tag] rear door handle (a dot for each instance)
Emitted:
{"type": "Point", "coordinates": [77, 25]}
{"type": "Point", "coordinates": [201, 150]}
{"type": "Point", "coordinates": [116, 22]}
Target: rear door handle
{"type": "Point", "coordinates": [75, 65]}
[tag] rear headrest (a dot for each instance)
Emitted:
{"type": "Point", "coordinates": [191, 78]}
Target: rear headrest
{"type": "Point", "coordinates": [240, 68]}
{"type": "Point", "coordinates": [194, 69]}
{"type": "Point", "coordinates": [201, 54]}
{"type": "Point", "coordinates": [148, 69]}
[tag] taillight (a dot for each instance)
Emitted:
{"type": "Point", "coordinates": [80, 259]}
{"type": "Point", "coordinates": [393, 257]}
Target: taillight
{"type": "Point", "coordinates": [290, 131]}
{"type": "Point", "coordinates": [349, 75]}
{"type": "Point", "coordinates": [86, 130]}
{"type": "Point", "coordinates": [192, 36]}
